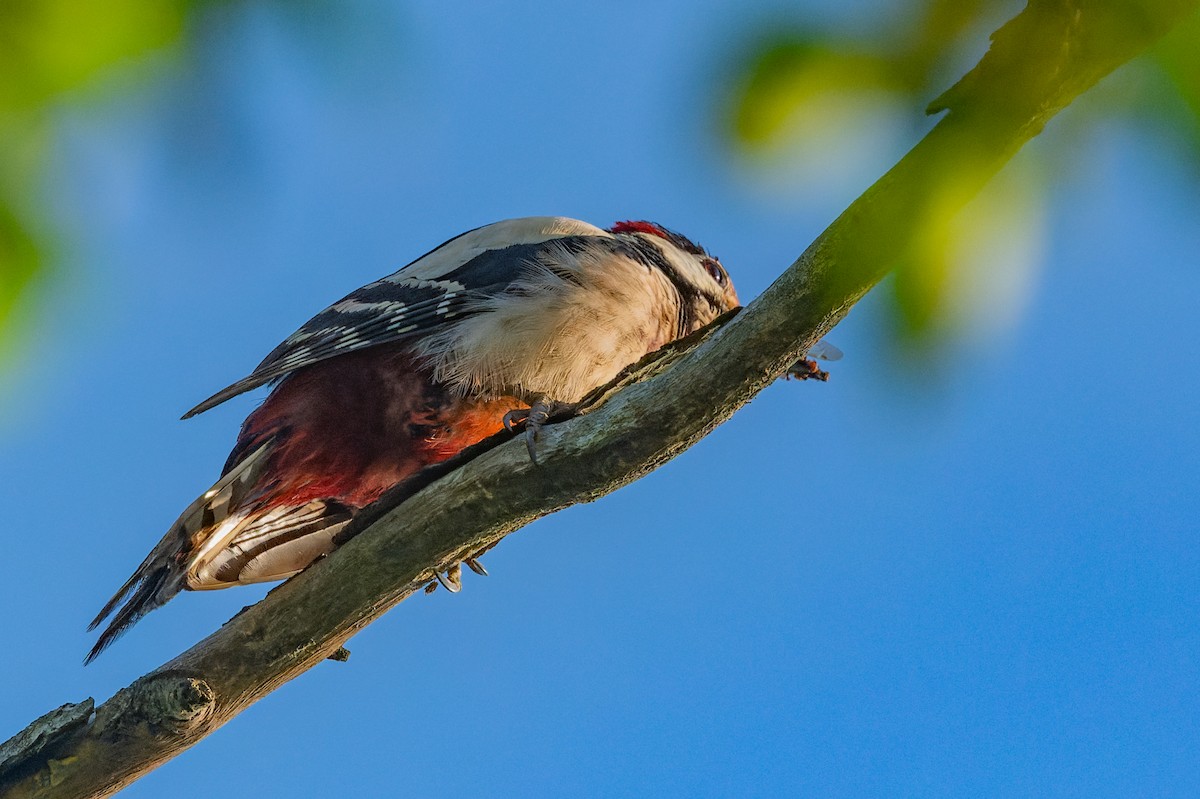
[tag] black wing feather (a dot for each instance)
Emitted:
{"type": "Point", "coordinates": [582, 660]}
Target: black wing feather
{"type": "Point", "coordinates": [326, 336]}
{"type": "Point", "coordinates": [400, 306]}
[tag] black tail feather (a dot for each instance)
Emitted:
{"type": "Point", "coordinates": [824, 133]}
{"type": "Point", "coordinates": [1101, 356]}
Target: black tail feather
{"type": "Point", "coordinates": [162, 574]}
{"type": "Point", "coordinates": [155, 586]}
{"type": "Point", "coordinates": [116, 598]}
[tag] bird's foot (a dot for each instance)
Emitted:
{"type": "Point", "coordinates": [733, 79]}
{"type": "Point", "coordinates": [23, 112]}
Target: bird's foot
{"type": "Point", "coordinates": [535, 417]}
{"type": "Point", "coordinates": [452, 580]}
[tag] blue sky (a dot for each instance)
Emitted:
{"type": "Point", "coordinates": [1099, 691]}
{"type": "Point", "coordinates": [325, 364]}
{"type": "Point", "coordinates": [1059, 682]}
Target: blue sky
{"type": "Point", "coordinates": [969, 573]}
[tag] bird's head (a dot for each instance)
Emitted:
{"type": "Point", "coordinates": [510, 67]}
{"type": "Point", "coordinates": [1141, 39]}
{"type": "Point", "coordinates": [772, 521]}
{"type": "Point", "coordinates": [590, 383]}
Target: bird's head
{"type": "Point", "coordinates": [702, 282]}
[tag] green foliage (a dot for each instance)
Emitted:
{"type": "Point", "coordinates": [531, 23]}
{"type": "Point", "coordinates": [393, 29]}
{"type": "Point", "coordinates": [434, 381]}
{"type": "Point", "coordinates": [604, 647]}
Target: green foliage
{"type": "Point", "coordinates": [19, 263]}
{"type": "Point", "coordinates": [1177, 60]}
{"type": "Point", "coordinates": [49, 48]}
{"type": "Point", "coordinates": [51, 52]}
{"type": "Point", "coordinates": [793, 72]}
{"type": "Point", "coordinates": [793, 81]}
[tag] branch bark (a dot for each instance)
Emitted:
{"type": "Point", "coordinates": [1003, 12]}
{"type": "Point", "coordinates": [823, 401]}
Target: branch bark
{"type": "Point", "coordinates": [1039, 62]}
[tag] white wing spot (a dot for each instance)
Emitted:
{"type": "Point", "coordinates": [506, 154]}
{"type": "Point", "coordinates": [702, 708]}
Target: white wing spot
{"type": "Point", "coordinates": [299, 355]}
{"type": "Point", "coordinates": [385, 307]}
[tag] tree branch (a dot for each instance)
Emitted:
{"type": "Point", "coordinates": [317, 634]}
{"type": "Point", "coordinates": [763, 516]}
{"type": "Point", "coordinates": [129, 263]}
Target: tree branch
{"type": "Point", "coordinates": [1039, 62]}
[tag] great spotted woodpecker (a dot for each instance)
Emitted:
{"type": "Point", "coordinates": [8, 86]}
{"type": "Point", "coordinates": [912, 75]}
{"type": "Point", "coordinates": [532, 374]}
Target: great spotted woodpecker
{"type": "Point", "coordinates": [409, 370]}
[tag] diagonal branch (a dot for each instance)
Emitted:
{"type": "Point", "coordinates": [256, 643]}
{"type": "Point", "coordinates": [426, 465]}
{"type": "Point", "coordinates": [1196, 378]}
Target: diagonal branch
{"type": "Point", "coordinates": [1039, 62]}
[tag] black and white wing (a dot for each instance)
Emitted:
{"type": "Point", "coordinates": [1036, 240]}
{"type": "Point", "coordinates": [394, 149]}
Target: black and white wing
{"type": "Point", "coordinates": [440, 286]}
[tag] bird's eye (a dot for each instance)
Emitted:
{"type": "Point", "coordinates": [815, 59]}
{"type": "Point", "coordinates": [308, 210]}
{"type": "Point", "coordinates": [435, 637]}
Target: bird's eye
{"type": "Point", "coordinates": [716, 272]}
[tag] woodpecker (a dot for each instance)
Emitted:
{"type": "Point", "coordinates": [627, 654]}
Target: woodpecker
{"type": "Point", "coordinates": [497, 325]}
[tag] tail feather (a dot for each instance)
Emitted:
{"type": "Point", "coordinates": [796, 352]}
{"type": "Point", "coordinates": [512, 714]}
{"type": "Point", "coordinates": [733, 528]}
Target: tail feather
{"type": "Point", "coordinates": [155, 586]}
{"type": "Point", "coordinates": [276, 545]}
{"type": "Point", "coordinates": [118, 597]}
{"type": "Point", "coordinates": [163, 573]}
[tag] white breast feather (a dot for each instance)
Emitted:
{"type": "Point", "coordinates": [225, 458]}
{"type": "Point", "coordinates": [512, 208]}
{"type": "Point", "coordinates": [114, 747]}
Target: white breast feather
{"type": "Point", "coordinates": [548, 336]}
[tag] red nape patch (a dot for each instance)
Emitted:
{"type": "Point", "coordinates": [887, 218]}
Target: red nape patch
{"type": "Point", "coordinates": [631, 226]}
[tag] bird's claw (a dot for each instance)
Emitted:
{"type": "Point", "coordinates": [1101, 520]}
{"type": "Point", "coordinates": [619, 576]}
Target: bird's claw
{"type": "Point", "coordinates": [515, 418]}
{"type": "Point", "coordinates": [534, 418]}
{"type": "Point", "coordinates": [452, 580]}
{"type": "Point", "coordinates": [539, 414]}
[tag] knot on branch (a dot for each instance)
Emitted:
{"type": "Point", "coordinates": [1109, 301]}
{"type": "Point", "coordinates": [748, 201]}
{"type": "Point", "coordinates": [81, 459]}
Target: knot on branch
{"type": "Point", "coordinates": [161, 704]}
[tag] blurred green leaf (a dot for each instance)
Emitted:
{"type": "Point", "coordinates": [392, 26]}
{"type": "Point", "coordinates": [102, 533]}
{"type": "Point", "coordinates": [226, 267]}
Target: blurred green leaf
{"type": "Point", "coordinates": [47, 48]}
{"type": "Point", "coordinates": [19, 263]}
{"type": "Point", "coordinates": [51, 46]}
{"type": "Point", "coordinates": [793, 77]}
{"type": "Point", "coordinates": [1178, 60]}
{"type": "Point", "coordinates": [791, 86]}
{"type": "Point", "coordinates": [972, 271]}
